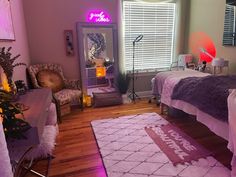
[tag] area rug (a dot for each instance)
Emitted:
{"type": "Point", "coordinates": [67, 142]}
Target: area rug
{"type": "Point", "coordinates": [178, 146]}
{"type": "Point", "coordinates": [127, 150]}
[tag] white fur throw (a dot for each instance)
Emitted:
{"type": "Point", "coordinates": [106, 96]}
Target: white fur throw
{"type": "Point", "coordinates": [47, 144]}
{"type": "Point", "coordinates": [42, 150]}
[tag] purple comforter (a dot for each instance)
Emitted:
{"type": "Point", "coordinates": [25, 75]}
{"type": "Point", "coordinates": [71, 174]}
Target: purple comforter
{"type": "Point", "coordinates": [209, 94]}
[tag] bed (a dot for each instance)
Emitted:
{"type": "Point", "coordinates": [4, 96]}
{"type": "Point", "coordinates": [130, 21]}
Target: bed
{"type": "Point", "coordinates": [163, 85]}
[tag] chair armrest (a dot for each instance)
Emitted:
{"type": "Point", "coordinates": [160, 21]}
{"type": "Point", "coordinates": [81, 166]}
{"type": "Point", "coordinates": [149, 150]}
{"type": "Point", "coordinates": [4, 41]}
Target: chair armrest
{"type": "Point", "coordinates": [72, 84]}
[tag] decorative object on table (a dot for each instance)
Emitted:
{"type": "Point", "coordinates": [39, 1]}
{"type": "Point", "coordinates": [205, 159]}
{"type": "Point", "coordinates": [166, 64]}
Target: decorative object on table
{"type": "Point", "coordinates": [201, 67]}
{"type": "Point", "coordinates": [6, 25]}
{"type": "Point", "coordinates": [133, 95]}
{"type": "Point", "coordinates": [13, 127]}
{"type": "Point", "coordinates": [8, 65]}
{"type": "Point", "coordinates": [217, 63]}
{"type": "Point", "coordinates": [68, 35]}
{"type": "Point", "coordinates": [184, 61]}
{"type": "Point", "coordinates": [21, 87]}
{"type": "Point", "coordinates": [108, 62]}
{"type": "Point", "coordinates": [127, 149]}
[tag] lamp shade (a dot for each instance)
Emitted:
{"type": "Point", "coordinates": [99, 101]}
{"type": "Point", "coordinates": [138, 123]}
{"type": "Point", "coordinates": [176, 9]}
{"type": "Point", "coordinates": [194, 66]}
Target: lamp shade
{"type": "Point", "coordinates": [218, 62]}
{"type": "Point", "coordinates": [100, 71]}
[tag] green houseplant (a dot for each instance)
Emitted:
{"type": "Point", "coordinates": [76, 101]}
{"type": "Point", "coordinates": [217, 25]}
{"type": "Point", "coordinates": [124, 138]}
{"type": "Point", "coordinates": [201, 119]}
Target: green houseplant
{"type": "Point", "coordinates": [122, 82]}
{"type": "Point", "coordinates": [13, 127]}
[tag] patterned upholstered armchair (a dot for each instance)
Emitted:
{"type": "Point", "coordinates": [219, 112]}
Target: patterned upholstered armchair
{"type": "Point", "coordinates": [65, 92]}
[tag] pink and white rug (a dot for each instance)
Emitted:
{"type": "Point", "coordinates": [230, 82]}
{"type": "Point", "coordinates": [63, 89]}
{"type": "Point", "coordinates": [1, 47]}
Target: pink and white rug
{"type": "Point", "coordinates": [178, 146]}
{"type": "Point", "coordinates": [128, 151]}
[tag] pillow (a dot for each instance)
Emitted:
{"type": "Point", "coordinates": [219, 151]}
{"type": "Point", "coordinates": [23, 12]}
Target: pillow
{"type": "Point", "coordinates": [50, 79]}
{"type": "Point", "coordinates": [107, 99]}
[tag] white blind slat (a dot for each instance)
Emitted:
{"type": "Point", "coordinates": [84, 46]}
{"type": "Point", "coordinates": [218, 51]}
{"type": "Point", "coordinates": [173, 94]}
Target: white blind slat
{"type": "Point", "coordinates": [156, 22]}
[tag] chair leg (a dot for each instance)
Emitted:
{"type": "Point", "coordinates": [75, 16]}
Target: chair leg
{"type": "Point", "coordinates": [81, 103]}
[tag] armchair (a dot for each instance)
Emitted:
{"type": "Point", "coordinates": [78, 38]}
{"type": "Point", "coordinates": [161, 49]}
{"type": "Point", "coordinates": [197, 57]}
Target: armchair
{"type": "Point", "coordinates": [65, 92]}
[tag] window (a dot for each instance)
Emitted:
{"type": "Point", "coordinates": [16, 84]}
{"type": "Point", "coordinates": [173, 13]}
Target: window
{"type": "Point", "coordinates": [229, 25]}
{"type": "Point", "coordinates": [156, 22]}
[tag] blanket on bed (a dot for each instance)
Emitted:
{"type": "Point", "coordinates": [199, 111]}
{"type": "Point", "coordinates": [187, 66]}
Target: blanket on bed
{"type": "Point", "coordinates": [209, 94]}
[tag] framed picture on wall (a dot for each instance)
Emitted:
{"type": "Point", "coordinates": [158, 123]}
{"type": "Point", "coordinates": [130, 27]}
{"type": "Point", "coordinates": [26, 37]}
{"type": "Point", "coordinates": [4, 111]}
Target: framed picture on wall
{"type": "Point", "coordinates": [68, 37]}
{"type": "Point", "coordinates": [6, 24]}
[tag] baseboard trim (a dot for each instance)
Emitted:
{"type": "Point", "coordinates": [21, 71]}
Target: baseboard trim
{"type": "Point", "coordinates": [145, 94]}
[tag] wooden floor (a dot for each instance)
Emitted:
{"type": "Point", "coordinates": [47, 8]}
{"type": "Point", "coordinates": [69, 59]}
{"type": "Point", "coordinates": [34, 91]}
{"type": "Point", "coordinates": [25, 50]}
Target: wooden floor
{"type": "Point", "coordinates": [77, 155]}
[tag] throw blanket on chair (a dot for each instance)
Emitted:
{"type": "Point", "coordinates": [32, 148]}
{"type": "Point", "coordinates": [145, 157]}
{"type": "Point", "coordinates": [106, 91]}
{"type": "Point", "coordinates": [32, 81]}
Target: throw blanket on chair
{"type": "Point", "coordinates": [209, 94]}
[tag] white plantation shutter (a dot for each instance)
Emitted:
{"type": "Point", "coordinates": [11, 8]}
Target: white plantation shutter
{"type": "Point", "coordinates": [156, 22]}
{"type": "Point", "coordinates": [229, 25]}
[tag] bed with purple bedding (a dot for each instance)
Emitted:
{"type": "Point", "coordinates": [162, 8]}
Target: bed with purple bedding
{"type": "Point", "coordinates": [205, 96]}
{"type": "Point", "coordinates": [209, 94]}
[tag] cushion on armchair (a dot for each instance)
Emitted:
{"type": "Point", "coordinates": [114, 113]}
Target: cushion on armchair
{"type": "Point", "coordinates": [65, 96]}
{"type": "Point", "coordinates": [50, 79]}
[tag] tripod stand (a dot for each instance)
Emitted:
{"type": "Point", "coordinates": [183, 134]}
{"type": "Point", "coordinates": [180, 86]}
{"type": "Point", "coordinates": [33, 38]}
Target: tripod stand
{"type": "Point", "coordinates": [133, 95]}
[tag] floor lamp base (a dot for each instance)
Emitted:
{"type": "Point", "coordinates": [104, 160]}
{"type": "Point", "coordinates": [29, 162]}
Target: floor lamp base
{"type": "Point", "coordinates": [133, 96]}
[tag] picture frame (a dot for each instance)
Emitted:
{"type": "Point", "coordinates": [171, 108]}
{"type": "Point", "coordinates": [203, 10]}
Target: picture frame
{"type": "Point", "coordinates": [6, 23]}
{"type": "Point", "coordinates": [69, 44]}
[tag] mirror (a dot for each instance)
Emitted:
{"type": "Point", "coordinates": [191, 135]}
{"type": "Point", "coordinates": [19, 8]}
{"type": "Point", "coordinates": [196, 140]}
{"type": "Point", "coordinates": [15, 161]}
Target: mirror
{"type": "Point", "coordinates": [229, 38]}
{"type": "Point", "coordinates": [97, 56]}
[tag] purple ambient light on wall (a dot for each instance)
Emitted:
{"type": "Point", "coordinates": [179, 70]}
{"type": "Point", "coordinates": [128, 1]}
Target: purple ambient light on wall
{"type": "Point", "coordinates": [98, 16]}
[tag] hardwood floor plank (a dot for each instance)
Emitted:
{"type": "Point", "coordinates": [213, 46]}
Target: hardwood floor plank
{"type": "Point", "coordinates": [77, 154]}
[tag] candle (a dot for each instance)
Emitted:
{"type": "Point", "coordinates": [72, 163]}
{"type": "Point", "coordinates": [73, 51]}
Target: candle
{"type": "Point", "coordinates": [88, 101]}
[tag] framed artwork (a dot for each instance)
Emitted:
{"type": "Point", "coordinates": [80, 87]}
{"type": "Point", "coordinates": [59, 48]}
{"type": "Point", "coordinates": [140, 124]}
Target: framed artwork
{"type": "Point", "coordinates": [68, 36]}
{"type": "Point", "coordinates": [6, 25]}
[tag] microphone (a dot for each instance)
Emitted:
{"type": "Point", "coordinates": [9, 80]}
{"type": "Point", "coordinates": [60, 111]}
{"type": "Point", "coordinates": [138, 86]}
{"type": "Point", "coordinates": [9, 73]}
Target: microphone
{"type": "Point", "coordinates": [137, 39]}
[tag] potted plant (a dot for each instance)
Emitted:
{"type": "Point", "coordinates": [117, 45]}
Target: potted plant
{"type": "Point", "coordinates": [13, 127]}
{"type": "Point", "coordinates": [8, 65]}
{"type": "Point", "coordinates": [122, 84]}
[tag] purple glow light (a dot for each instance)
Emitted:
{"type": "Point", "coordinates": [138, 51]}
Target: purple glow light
{"type": "Point", "coordinates": [98, 16]}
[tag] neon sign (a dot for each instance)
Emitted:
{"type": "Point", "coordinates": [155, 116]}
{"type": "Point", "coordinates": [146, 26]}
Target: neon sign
{"type": "Point", "coordinates": [98, 17]}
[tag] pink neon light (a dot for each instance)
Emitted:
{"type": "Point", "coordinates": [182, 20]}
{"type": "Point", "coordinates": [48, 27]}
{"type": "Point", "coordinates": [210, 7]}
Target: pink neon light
{"type": "Point", "coordinates": [98, 17]}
